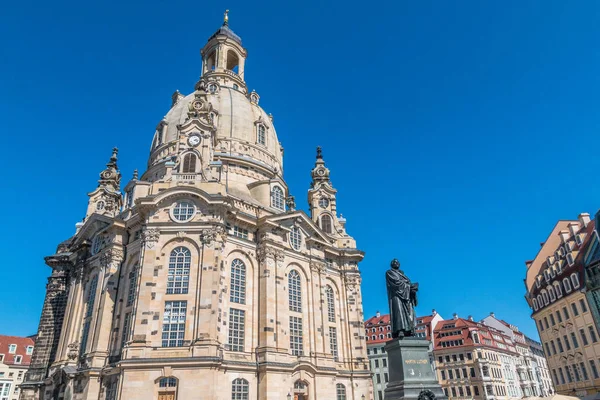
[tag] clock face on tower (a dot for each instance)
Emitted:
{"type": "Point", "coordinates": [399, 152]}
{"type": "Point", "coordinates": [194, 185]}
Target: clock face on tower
{"type": "Point", "coordinates": [194, 140]}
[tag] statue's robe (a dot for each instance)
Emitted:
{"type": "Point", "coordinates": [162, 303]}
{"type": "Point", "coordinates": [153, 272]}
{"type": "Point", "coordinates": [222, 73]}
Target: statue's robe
{"type": "Point", "coordinates": [401, 301]}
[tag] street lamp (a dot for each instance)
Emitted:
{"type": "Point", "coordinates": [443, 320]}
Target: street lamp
{"type": "Point", "coordinates": [362, 397]}
{"type": "Point", "coordinates": [289, 396]}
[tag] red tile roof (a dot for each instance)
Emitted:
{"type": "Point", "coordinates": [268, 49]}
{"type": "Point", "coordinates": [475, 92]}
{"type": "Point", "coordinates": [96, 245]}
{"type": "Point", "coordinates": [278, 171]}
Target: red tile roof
{"type": "Point", "coordinates": [463, 329]}
{"type": "Point", "coordinates": [22, 343]}
{"type": "Point", "coordinates": [384, 321]}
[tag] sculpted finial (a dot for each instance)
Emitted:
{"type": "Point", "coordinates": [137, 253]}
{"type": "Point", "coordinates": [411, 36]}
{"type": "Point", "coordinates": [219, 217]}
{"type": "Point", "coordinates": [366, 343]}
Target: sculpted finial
{"type": "Point", "coordinates": [319, 153]}
{"type": "Point", "coordinates": [226, 18]}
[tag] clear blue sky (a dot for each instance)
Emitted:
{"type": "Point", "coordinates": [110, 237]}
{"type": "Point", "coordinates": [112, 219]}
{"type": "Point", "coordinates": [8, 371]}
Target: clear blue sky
{"type": "Point", "coordinates": [457, 132]}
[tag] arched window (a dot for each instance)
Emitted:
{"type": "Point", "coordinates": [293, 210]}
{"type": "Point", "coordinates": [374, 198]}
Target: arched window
{"type": "Point", "coordinates": [261, 134]}
{"type": "Point", "coordinates": [295, 292]}
{"type": "Point", "coordinates": [232, 61]}
{"type": "Point", "coordinates": [132, 286]}
{"type": "Point", "coordinates": [330, 303]}
{"type": "Point", "coordinates": [374, 337]}
{"type": "Point", "coordinates": [545, 296]}
{"type": "Point", "coordinates": [326, 224]}
{"type": "Point", "coordinates": [570, 259]}
{"type": "Point", "coordinates": [340, 391]}
{"type": "Point", "coordinates": [382, 336]}
{"type": "Point", "coordinates": [277, 200]}
{"type": "Point", "coordinates": [189, 163]}
{"type": "Point", "coordinates": [557, 289]}
{"type": "Point", "coordinates": [551, 293]}
{"type": "Point", "coordinates": [238, 282]}
{"type": "Point", "coordinates": [575, 280]}
{"type": "Point", "coordinates": [179, 271]}
{"type": "Point", "coordinates": [535, 305]}
{"type": "Point", "coordinates": [97, 243]}
{"type": "Point", "coordinates": [567, 285]}
{"type": "Point", "coordinates": [240, 390]}
{"type": "Point", "coordinates": [89, 310]}
{"type": "Point", "coordinates": [540, 300]}
{"type": "Point", "coordinates": [295, 238]}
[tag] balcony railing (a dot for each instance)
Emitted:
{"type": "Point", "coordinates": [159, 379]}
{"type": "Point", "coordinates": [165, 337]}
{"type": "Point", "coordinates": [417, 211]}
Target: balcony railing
{"type": "Point", "coordinates": [187, 177]}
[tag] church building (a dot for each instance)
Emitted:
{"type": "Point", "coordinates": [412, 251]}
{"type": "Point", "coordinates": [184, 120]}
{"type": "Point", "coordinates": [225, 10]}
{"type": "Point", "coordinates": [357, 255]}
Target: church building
{"type": "Point", "coordinates": [201, 280]}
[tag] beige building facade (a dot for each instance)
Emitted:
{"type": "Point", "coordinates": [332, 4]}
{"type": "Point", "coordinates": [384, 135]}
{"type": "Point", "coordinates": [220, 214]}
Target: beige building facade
{"type": "Point", "coordinates": [555, 285]}
{"type": "Point", "coordinates": [203, 279]}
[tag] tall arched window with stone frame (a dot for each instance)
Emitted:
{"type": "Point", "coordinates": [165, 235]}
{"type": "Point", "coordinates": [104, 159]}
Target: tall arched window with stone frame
{"type": "Point", "coordinates": [296, 327]}
{"type": "Point", "coordinates": [340, 392]}
{"type": "Point", "coordinates": [240, 389]}
{"type": "Point", "coordinates": [178, 277]}
{"type": "Point", "coordinates": [189, 163]}
{"type": "Point", "coordinates": [261, 134]}
{"type": "Point", "coordinates": [326, 223]}
{"type": "Point", "coordinates": [89, 312]}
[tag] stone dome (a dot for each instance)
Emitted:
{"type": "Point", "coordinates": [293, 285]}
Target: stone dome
{"type": "Point", "coordinates": [236, 121]}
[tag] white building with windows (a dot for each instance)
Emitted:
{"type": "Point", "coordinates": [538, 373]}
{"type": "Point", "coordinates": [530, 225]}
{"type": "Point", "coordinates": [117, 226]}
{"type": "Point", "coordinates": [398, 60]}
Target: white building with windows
{"type": "Point", "coordinates": [15, 357]}
{"type": "Point", "coordinates": [203, 277]}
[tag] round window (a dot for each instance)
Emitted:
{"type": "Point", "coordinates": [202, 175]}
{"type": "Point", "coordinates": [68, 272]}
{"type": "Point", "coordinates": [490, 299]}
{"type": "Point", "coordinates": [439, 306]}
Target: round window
{"type": "Point", "coordinates": [324, 202]}
{"type": "Point", "coordinates": [183, 211]}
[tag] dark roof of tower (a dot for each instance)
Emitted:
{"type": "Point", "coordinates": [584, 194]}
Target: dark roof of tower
{"type": "Point", "coordinates": [225, 30]}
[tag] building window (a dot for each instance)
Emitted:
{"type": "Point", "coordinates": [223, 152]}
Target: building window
{"type": "Point", "coordinates": [97, 243]}
{"type": "Point", "coordinates": [567, 344]}
{"type": "Point", "coordinates": [295, 238]}
{"type": "Point", "coordinates": [567, 285]}
{"type": "Point", "coordinates": [5, 390]}
{"type": "Point", "coordinates": [384, 361]}
{"type": "Point", "coordinates": [240, 389]}
{"type": "Point", "coordinates": [125, 332]}
{"type": "Point", "coordinates": [566, 313]}
{"type": "Point", "coordinates": [277, 200]}
{"type": "Point", "coordinates": [326, 224]}
{"type": "Point", "coordinates": [132, 286]}
{"type": "Point", "coordinates": [574, 339]}
{"type": "Point", "coordinates": [237, 319]}
{"type": "Point", "coordinates": [238, 282]}
{"type": "Point", "coordinates": [560, 346]}
{"type": "Point", "coordinates": [594, 370]}
{"type": "Point", "coordinates": [376, 363]}
{"type": "Point", "coordinates": [261, 136]}
{"type": "Point", "coordinates": [558, 316]}
{"type": "Point", "coordinates": [582, 305]}
{"type": "Point", "coordinates": [552, 321]}
{"type": "Point", "coordinates": [583, 337]}
{"type": "Point", "coordinates": [472, 371]}
{"type": "Point", "coordinates": [575, 280]}
{"type": "Point", "coordinates": [294, 291]}
{"type": "Point", "coordinates": [111, 390]}
{"type": "Point", "coordinates": [333, 345]}
{"type": "Point", "coordinates": [296, 344]}
{"type": "Point", "coordinates": [179, 271]}
{"type": "Point", "coordinates": [84, 337]}
{"type": "Point", "coordinates": [476, 390]}
{"type": "Point", "coordinates": [129, 196]}
{"type": "Point", "coordinates": [330, 303]}
{"type": "Point", "coordinates": [12, 348]}
{"type": "Point", "coordinates": [91, 298]}
{"type": "Point", "coordinates": [183, 211]}
{"type": "Point", "coordinates": [445, 393]}
{"type": "Point", "coordinates": [340, 391]}
{"type": "Point", "coordinates": [592, 334]}
{"type": "Point", "coordinates": [18, 359]}
{"type": "Point", "coordinates": [574, 308]}
{"type": "Point", "coordinates": [453, 389]}
{"type": "Point", "coordinates": [240, 232]}
{"type": "Point", "coordinates": [443, 374]}
{"type": "Point", "coordinates": [29, 350]}
{"type": "Point", "coordinates": [167, 382]}
{"type": "Point", "coordinates": [584, 371]}
{"type": "Point", "coordinates": [189, 164]}
{"type": "Point", "coordinates": [173, 331]}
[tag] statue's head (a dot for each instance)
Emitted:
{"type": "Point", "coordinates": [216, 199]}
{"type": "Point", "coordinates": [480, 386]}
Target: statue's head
{"type": "Point", "coordinates": [395, 264]}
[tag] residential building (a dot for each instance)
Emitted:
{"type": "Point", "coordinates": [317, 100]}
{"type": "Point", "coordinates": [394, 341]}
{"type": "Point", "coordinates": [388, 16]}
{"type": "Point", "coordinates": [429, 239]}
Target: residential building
{"type": "Point", "coordinates": [592, 272]}
{"type": "Point", "coordinates": [378, 332]}
{"type": "Point", "coordinates": [204, 278]}
{"type": "Point", "coordinates": [476, 361]}
{"type": "Point", "coordinates": [15, 357]}
{"type": "Point", "coordinates": [532, 367]}
{"type": "Point", "coordinates": [555, 284]}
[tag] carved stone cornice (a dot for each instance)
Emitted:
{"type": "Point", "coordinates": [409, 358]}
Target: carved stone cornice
{"type": "Point", "coordinates": [317, 266]}
{"type": "Point", "coordinates": [216, 233]}
{"type": "Point", "coordinates": [150, 237]}
{"type": "Point", "coordinates": [111, 257]}
{"type": "Point", "coordinates": [266, 253]}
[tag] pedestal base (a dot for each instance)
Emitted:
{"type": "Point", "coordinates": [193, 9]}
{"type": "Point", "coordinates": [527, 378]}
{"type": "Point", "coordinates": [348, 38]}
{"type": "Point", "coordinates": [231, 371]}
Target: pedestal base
{"type": "Point", "coordinates": [411, 374]}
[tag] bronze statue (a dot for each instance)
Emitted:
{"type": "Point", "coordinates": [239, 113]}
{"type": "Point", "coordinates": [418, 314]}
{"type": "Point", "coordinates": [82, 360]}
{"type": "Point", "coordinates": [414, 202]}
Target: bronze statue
{"type": "Point", "coordinates": [402, 297]}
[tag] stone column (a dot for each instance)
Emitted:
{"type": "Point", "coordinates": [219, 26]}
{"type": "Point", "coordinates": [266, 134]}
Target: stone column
{"type": "Point", "coordinates": [49, 328]}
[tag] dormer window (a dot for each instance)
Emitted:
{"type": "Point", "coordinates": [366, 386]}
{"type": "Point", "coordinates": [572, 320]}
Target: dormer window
{"type": "Point", "coordinates": [575, 280]}
{"type": "Point", "coordinates": [29, 350]}
{"type": "Point", "coordinates": [18, 359]}
{"type": "Point", "coordinates": [295, 238]}
{"type": "Point", "coordinates": [570, 260]}
{"type": "Point", "coordinates": [277, 200]}
{"type": "Point", "coordinates": [261, 134]}
{"type": "Point", "coordinates": [567, 285]}
{"type": "Point", "coordinates": [326, 224]}
{"type": "Point", "coordinates": [578, 239]}
{"type": "Point", "coordinates": [12, 348]}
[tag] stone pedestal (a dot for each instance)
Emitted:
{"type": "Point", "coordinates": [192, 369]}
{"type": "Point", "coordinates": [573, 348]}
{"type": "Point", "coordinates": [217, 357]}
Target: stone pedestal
{"type": "Point", "coordinates": [411, 374]}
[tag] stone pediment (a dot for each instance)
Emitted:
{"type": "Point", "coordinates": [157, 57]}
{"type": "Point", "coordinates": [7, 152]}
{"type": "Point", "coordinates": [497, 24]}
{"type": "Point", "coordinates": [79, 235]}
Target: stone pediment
{"type": "Point", "coordinates": [93, 224]}
{"type": "Point", "coordinates": [299, 218]}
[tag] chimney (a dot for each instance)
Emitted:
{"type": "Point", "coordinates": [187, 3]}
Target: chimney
{"type": "Point", "coordinates": [377, 314]}
{"type": "Point", "coordinates": [455, 316]}
{"type": "Point", "coordinates": [492, 315]}
{"type": "Point", "coordinates": [564, 235]}
{"type": "Point", "coordinates": [584, 219]}
{"type": "Point", "coordinates": [433, 312]}
{"type": "Point", "coordinates": [470, 318]}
